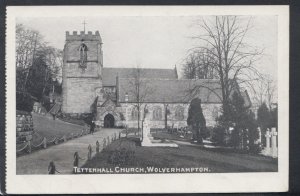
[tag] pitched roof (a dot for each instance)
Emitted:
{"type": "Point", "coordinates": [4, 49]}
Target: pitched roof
{"type": "Point", "coordinates": [109, 74]}
{"type": "Point", "coordinates": [171, 90]}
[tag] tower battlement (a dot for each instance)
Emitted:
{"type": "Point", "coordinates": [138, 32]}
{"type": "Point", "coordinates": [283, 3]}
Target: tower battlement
{"type": "Point", "coordinates": [79, 36]}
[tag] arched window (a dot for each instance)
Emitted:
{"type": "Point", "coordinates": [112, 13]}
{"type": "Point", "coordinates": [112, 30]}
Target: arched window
{"type": "Point", "coordinates": [83, 55]}
{"type": "Point", "coordinates": [134, 113]}
{"type": "Point", "coordinates": [157, 113]}
{"type": "Point", "coordinates": [179, 113]}
{"type": "Point", "coordinates": [215, 113]}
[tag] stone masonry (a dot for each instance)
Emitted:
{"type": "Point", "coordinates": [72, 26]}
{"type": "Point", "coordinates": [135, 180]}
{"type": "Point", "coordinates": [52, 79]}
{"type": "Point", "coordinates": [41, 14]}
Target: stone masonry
{"type": "Point", "coordinates": [80, 84]}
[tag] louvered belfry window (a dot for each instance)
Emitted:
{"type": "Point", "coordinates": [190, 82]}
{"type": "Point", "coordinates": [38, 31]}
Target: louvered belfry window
{"type": "Point", "coordinates": [83, 55]}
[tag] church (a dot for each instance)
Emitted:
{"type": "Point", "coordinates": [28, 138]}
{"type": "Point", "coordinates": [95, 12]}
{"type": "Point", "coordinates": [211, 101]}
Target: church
{"type": "Point", "coordinates": [117, 96]}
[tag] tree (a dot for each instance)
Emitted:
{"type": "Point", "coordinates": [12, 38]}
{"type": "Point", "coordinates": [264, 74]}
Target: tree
{"type": "Point", "coordinates": [139, 89]}
{"type": "Point", "coordinates": [274, 117]}
{"type": "Point", "coordinates": [196, 119]}
{"type": "Point", "coordinates": [38, 67]}
{"type": "Point", "coordinates": [263, 117]}
{"type": "Point", "coordinates": [222, 42]}
{"type": "Point", "coordinates": [197, 66]}
{"type": "Point", "coordinates": [242, 119]}
{"type": "Point", "coordinates": [265, 91]}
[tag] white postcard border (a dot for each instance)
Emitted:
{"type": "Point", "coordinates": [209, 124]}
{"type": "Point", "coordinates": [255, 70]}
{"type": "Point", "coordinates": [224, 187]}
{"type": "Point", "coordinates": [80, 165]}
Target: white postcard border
{"type": "Point", "coordinates": [149, 183]}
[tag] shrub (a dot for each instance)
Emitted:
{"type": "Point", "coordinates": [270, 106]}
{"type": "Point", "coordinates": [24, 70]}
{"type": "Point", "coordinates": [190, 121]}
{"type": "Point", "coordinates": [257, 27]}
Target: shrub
{"type": "Point", "coordinates": [121, 157]}
{"type": "Point", "coordinates": [218, 135]}
{"type": "Point", "coordinates": [24, 102]}
{"type": "Point", "coordinates": [256, 148]}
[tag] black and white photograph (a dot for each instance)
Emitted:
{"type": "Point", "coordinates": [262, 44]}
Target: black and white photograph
{"type": "Point", "coordinates": [146, 95]}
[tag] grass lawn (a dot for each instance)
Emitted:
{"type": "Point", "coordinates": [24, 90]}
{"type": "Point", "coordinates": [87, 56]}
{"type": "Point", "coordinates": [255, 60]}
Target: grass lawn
{"type": "Point", "coordinates": [182, 157]}
{"type": "Point", "coordinates": [49, 128]}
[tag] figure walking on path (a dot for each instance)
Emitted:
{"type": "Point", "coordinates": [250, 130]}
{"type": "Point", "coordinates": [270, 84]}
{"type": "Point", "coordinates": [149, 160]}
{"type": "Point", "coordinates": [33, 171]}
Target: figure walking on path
{"type": "Point", "coordinates": [76, 159]}
{"type": "Point", "coordinates": [97, 147]}
{"type": "Point", "coordinates": [51, 168]}
{"type": "Point", "coordinates": [90, 152]}
{"type": "Point", "coordinates": [92, 128]}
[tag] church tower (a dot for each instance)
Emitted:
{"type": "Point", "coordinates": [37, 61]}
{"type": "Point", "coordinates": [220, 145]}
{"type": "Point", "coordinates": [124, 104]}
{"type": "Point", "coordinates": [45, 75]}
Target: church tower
{"type": "Point", "coordinates": [82, 72]}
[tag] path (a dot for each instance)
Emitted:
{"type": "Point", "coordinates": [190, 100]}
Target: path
{"type": "Point", "coordinates": [62, 154]}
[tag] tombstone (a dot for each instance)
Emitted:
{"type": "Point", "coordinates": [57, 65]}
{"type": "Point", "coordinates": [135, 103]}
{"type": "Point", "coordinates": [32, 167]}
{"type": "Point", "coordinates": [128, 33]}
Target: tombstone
{"type": "Point", "coordinates": [268, 138]}
{"type": "Point", "coordinates": [274, 149]}
{"type": "Point", "coordinates": [108, 140]}
{"type": "Point", "coordinates": [115, 135]}
{"type": "Point", "coordinates": [64, 138]}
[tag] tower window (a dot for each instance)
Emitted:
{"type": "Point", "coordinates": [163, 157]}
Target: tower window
{"type": "Point", "coordinates": [83, 55]}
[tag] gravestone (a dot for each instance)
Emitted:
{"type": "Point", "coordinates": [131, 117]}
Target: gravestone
{"type": "Point", "coordinates": [268, 145]}
{"type": "Point", "coordinates": [274, 143]}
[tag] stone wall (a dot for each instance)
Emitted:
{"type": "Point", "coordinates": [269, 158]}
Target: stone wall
{"type": "Point", "coordinates": [210, 112]}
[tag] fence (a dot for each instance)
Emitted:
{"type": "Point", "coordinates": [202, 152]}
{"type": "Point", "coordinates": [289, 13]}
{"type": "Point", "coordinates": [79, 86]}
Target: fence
{"type": "Point", "coordinates": [29, 146]}
{"type": "Point", "coordinates": [105, 143]}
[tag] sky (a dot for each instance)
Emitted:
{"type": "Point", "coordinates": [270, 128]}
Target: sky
{"type": "Point", "coordinates": [152, 41]}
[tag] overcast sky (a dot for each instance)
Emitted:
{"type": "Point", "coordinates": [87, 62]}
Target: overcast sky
{"type": "Point", "coordinates": [152, 42]}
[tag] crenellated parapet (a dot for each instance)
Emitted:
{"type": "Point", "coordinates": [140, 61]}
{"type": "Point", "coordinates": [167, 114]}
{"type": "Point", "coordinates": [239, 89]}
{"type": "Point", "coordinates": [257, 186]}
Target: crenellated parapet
{"type": "Point", "coordinates": [83, 36]}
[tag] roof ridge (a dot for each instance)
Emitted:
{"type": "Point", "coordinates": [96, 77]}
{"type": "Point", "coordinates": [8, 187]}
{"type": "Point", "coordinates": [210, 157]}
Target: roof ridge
{"type": "Point", "coordinates": [173, 79]}
{"type": "Point", "coordinates": [139, 68]}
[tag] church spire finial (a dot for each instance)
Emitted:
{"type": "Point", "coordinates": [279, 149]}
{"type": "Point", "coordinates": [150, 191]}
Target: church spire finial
{"type": "Point", "coordinates": [84, 23]}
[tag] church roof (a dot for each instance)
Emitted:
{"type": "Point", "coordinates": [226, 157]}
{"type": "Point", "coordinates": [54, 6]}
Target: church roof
{"type": "Point", "coordinates": [109, 74]}
{"type": "Point", "coordinates": [176, 91]}
{"type": "Point", "coordinates": [171, 90]}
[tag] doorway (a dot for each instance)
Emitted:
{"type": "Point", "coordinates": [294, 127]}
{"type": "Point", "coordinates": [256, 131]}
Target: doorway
{"type": "Point", "coordinates": [109, 121]}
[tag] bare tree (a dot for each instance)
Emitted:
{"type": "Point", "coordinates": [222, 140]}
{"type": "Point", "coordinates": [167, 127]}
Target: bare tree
{"type": "Point", "coordinates": [140, 89]}
{"type": "Point", "coordinates": [264, 91]}
{"type": "Point", "coordinates": [271, 92]}
{"type": "Point", "coordinates": [222, 42]}
{"type": "Point", "coordinates": [198, 66]}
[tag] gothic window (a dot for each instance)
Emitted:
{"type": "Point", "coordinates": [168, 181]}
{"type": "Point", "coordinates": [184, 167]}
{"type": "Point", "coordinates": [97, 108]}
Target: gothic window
{"type": "Point", "coordinates": [157, 113]}
{"type": "Point", "coordinates": [215, 113]}
{"type": "Point", "coordinates": [179, 113]}
{"type": "Point", "coordinates": [83, 55]}
{"type": "Point", "coordinates": [134, 113]}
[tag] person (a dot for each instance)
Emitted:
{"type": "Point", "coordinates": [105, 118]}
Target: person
{"type": "Point", "coordinates": [51, 168]}
{"type": "Point", "coordinates": [76, 159]}
{"type": "Point", "coordinates": [92, 127]}
{"type": "Point", "coordinates": [90, 152]}
{"type": "Point", "coordinates": [97, 146]}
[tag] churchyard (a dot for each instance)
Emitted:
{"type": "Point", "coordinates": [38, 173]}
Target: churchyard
{"type": "Point", "coordinates": [127, 153]}
{"type": "Point", "coordinates": [144, 115]}
{"type": "Point", "coordinates": [122, 148]}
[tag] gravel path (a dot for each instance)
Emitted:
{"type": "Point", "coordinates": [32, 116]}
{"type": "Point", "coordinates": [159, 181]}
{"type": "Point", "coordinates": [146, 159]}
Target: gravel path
{"type": "Point", "coordinates": [62, 154]}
